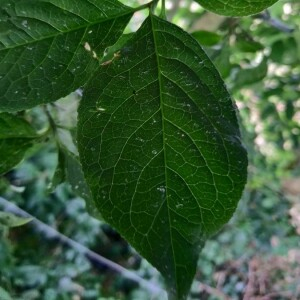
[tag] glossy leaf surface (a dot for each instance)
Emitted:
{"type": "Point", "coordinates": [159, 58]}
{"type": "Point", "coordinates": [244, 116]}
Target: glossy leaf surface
{"type": "Point", "coordinates": [50, 48]}
{"type": "Point", "coordinates": [236, 8]}
{"type": "Point", "coordinates": [160, 148]}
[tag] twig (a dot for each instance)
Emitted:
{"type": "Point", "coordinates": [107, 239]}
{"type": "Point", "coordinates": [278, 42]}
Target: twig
{"type": "Point", "coordinates": [276, 23]}
{"type": "Point", "coordinates": [51, 233]}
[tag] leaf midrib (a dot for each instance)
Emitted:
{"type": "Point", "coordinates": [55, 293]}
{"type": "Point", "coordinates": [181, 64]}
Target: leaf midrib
{"type": "Point", "coordinates": [163, 142]}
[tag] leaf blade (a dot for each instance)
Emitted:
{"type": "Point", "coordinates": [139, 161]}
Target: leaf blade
{"type": "Point", "coordinates": [236, 8]}
{"type": "Point", "coordinates": [49, 48]}
{"type": "Point", "coordinates": [156, 127]}
{"type": "Point", "coordinates": [16, 137]}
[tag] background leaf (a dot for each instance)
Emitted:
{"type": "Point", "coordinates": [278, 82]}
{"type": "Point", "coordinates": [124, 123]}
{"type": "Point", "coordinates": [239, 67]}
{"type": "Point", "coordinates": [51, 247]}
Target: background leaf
{"type": "Point", "coordinates": [16, 137]}
{"type": "Point", "coordinates": [160, 148]}
{"type": "Point", "coordinates": [236, 8]}
{"type": "Point", "coordinates": [247, 76]}
{"type": "Point", "coordinates": [206, 38]}
{"type": "Point", "coordinates": [11, 220]}
{"type": "Point", "coordinates": [50, 48]}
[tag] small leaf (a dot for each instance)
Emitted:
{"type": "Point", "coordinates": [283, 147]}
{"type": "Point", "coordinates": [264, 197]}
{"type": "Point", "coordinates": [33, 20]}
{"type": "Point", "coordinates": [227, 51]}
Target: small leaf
{"type": "Point", "coordinates": [249, 76]}
{"type": "Point", "coordinates": [285, 51]}
{"type": "Point", "coordinates": [75, 177]}
{"type": "Point", "coordinates": [160, 148]}
{"type": "Point", "coordinates": [12, 126]}
{"type": "Point", "coordinates": [221, 60]}
{"type": "Point", "coordinates": [236, 8]}
{"type": "Point", "coordinates": [49, 48]}
{"type": "Point", "coordinates": [249, 46]}
{"type": "Point", "coordinates": [69, 169]}
{"type": "Point", "coordinates": [16, 137]}
{"type": "Point", "coordinates": [11, 220]}
{"type": "Point", "coordinates": [207, 38]}
{"type": "Point", "coordinates": [60, 173]}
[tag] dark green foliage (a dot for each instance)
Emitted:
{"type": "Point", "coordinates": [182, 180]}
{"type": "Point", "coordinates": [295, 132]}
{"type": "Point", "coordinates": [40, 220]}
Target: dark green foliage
{"type": "Point", "coordinates": [172, 167]}
{"type": "Point", "coordinates": [16, 137]}
{"type": "Point", "coordinates": [159, 149]}
{"type": "Point", "coordinates": [48, 49]}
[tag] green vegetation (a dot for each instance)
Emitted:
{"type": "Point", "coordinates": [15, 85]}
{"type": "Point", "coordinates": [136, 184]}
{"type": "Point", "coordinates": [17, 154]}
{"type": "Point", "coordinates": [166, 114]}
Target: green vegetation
{"type": "Point", "coordinates": [156, 151]}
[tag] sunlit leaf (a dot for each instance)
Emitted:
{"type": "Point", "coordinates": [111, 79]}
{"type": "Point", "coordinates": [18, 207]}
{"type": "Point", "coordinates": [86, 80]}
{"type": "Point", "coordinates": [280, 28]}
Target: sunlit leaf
{"type": "Point", "coordinates": [160, 148]}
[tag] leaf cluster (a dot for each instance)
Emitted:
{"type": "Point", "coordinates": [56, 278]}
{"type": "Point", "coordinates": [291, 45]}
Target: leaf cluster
{"type": "Point", "coordinates": [157, 148]}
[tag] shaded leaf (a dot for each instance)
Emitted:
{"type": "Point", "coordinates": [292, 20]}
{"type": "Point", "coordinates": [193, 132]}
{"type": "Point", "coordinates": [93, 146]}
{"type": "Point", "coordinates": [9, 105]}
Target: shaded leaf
{"type": "Point", "coordinates": [236, 8]}
{"type": "Point", "coordinates": [285, 51]}
{"type": "Point", "coordinates": [249, 76]}
{"type": "Point", "coordinates": [160, 148]}
{"type": "Point", "coordinates": [249, 46]}
{"type": "Point", "coordinates": [59, 175]}
{"type": "Point", "coordinates": [12, 126]}
{"type": "Point", "coordinates": [49, 48]}
{"type": "Point", "coordinates": [69, 170]}
{"type": "Point", "coordinates": [221, 60]}
{"type": "Point", "coordinates": [16, 137]}
{"type": "Point", "coordinates": [75, 177]}
{"type": "Point", "coordinates": [207, 38]}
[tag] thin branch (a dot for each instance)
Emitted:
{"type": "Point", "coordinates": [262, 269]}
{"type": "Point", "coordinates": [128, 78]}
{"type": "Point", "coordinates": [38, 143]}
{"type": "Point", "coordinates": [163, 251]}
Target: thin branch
{"type": "Point", "coordinates": [276, 23]}
{"type": "Point", "coordinates": [51, 233]}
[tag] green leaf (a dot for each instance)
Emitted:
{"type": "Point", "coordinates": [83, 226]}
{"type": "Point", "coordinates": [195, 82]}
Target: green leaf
{"type": "Point", "coordinates": [75, 177]}
{"type": "Point", "coordinates": [11, 220]}
{"type": "Point", "coordinates": [221, 60]}
{"type": "Point", "coordinates": [207, 38]}
{"type": "Point", "coordinates": [16, 137]}
{"type": "Point", "coordinates": [69, 169]}
{"type": "Point", "coordinates": [49, 48]}
{"type": "Point", "coordinates": [285, 51]}
{"type": "Point", "coordinates": [59, 175]}
{"type": "Point", "coordinates": [236, 8]}
{"type": "Point", "coordinates": [12, 126]}
{"type": "Point", "coordinates": [249, 76]}
{"type": "Point", "coordinates": [160, 148]}
{"type": "Point", "coordinates": [249, 46]}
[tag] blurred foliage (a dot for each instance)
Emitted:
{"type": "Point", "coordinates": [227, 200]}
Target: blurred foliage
{"type": "Point", "coordinates": [256, 256]}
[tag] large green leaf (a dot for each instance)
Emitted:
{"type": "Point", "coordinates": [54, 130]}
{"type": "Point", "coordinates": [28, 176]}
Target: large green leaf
{"type": "Point", "coordinates": [160, 148]}
{"type": "Point", "coordinates": [49, 48]}
{"type": "Point", "coordinates": [16, 137]}
{"type": "Point", "coordinates": [236, 8]}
